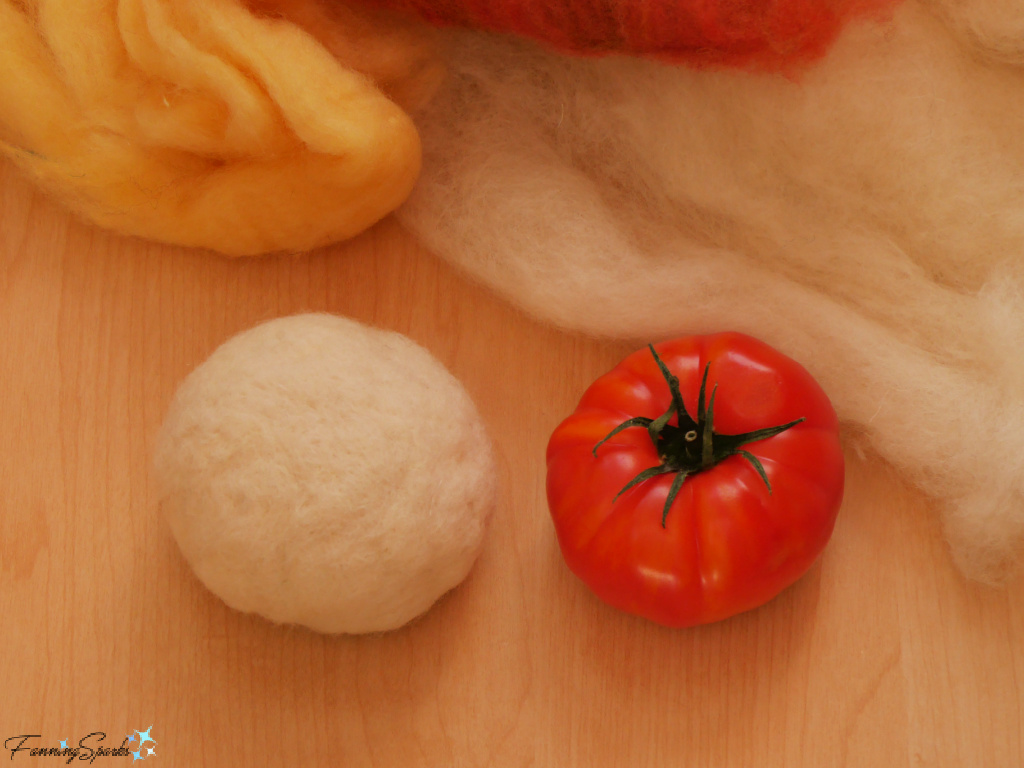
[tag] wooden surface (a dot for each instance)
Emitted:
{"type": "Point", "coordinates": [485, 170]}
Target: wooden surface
{"type": "Point", "coordinates": [882, 656]}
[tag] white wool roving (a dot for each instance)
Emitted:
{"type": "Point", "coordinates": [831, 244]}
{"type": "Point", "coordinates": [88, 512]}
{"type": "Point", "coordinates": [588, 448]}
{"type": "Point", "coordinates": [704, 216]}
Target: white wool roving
{"type": "Point", "coordinates": [323, 473]}
{"type": "Point", "coordinates": [867, 219]}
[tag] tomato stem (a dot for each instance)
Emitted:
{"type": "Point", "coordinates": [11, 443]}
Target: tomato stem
{"type": "Point", "coordinates": [690, 446]}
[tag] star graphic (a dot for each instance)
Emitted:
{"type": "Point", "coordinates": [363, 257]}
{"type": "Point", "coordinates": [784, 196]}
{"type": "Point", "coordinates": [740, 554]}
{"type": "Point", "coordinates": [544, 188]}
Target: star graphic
{"type": "Point", "coordinates": [130, 738]}
{"type": "Point", "coordinates": [63, 744]}
{"type": "Point", "coordinates": [150, 752]}
{"type": "Point", "coordinates": [137, 756]}
{"type": "Point", "coordinates": [144, 736]}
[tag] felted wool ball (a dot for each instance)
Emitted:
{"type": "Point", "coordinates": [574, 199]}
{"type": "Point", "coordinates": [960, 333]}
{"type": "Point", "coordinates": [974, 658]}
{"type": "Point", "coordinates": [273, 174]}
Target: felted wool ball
{"type": "Point", "coordinates": [768, 34]}
{"type": "Point", "coordinates": [865, 220]}
{"type": "Point", "coordinates": [319, 472]}
{"type": "Point", "coordinates": [215, 123]}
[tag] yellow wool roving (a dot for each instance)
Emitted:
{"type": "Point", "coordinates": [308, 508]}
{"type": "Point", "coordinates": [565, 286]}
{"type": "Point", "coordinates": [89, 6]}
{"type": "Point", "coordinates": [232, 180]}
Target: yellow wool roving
{"type": "Point", "coordinates": [214, 123]}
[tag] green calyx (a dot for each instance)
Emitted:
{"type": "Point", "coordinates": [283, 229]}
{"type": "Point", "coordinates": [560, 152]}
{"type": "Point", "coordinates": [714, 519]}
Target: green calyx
{"type": "Point", "coordinates": [690, 446]}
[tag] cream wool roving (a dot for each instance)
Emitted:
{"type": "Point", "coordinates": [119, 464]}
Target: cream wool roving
{"type": "Point", "coordinates": [867, 220]}
{"type": "Point", "coordinates": [211, 123]}
{"type": "Point", "coordinates": [319, 472]}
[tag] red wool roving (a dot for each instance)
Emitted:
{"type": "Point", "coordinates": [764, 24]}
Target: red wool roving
{"type": "Point", "coordinates": [775, 35]}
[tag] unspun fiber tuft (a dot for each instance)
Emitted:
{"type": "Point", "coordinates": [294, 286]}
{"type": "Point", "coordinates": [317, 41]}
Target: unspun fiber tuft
{"type": "Point", "coordinates": [214, 123]}
{"type": "Point", "coordinates": [867, 220]}
{"type": "Point", "coordinates": [775, 35]}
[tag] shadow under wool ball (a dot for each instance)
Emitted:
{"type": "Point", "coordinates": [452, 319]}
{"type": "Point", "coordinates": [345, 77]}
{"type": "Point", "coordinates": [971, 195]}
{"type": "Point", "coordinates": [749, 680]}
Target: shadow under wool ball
{"type": "Point", "coordinates": [320, 472]}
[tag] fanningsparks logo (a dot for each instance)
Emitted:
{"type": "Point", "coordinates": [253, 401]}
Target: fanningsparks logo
{"type": "Point", "coordinates": [137, 745]}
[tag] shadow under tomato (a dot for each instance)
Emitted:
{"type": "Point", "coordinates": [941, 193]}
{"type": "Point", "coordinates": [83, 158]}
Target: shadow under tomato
{"type": "Point", "coordinates": [686, 677]}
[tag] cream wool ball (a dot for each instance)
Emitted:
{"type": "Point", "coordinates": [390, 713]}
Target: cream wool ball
{"type": "Point", "coordinates": [320, 472]}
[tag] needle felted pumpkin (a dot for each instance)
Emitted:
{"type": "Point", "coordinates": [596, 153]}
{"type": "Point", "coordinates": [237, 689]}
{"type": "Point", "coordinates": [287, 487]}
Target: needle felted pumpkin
{"type": "Point", "coordinates": [767, 34]}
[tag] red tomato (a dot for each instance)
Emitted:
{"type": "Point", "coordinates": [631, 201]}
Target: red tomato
{"type": "Point", "coordinates": [691, 519]}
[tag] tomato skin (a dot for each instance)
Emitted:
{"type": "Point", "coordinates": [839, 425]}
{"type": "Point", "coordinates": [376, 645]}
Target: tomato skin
{"type": "Point", "coordinates": [727, 544]}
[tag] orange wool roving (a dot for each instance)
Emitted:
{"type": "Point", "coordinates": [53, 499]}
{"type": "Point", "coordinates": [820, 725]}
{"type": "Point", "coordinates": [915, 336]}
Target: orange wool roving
{"type": "Point", "coordinates": [777, 35]}
{"type": "Point", "coordinates": [240, 127]}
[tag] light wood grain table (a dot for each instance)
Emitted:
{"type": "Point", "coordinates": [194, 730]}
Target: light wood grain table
{"type": "Point", "coordinates": [881, 656]}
